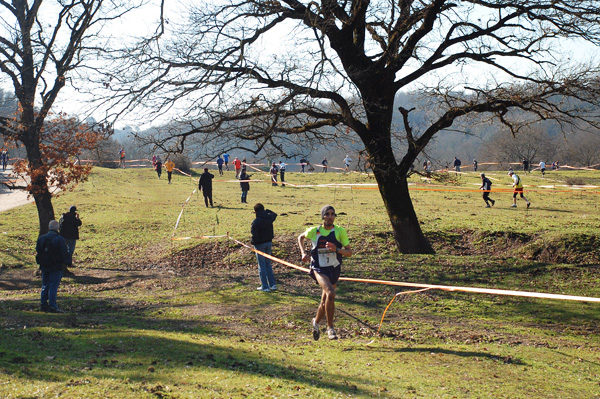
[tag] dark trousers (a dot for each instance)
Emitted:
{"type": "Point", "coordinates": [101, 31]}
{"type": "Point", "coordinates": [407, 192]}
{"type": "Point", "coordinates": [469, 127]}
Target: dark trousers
{"type": "Point", "coordinates": [50, 283]}
{"type": "Point", "coordinates": [207, 197]}
{"type": "Point", "coordinates": [282, 175]}
{"type": "Point", "coordinates": [486, 197]}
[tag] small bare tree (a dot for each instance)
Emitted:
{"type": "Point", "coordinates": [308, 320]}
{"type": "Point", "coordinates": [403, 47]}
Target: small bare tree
{"type": "Point", "coordinates": [532, 143]}
{"type": "Point", "coordinates": [41, 45]}
{"type": "Point", "coordinates": [259, 73]}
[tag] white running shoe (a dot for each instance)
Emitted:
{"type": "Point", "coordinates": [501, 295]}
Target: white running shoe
{"type": "Point", "coordinates": [273, 287]}
{"type": "Point", "coordinates": [263, 289]}
{"type": "Point", "coordinates": [513, 206]}
{"type": "Point", "coordinates": [331, 333]}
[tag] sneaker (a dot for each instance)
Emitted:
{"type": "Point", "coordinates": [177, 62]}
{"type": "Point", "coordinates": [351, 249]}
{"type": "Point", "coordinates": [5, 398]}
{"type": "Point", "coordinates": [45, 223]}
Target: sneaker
{"type": "Point", "coordinates": [54, 310]}
{"type": "Point", "coordinates": [487, 206]}
{"type": "Point", "coordinates": [331, 333]}
{"type": "Point", "coordinates": [513, 206]}
{"type": "Point", "coordinates": [263, 289]}
{"type": "Point", "coordinates": [273, 287]}
{"type": "Point", "coordinates": [316, 331]}
{"type": "Point", "coordinates": [529, 203]}
{"type": "Point", "coordinates": [44, 308]}
{"type": "Point", "coordinates": [493, 202]}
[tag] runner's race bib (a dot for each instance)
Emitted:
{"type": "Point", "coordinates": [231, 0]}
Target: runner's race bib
{"type": "Point", "coordinates": [327, 258]}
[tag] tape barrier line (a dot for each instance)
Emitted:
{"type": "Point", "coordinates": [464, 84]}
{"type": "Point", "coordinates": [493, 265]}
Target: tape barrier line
{"type": "Point", "coordinates": [477, 290]}
{"type": "Point", "coordinates": [273, 258]}
{"type": "Point", "coordinates": [196, 238]}
{"type": "Point", "coordinates": [392, 301]}
{"type": "Point", "coordinates": [181, 213]}
{"type": "Point", "coordinates": [450, 288]}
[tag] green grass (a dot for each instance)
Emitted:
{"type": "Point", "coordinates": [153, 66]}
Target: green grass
{"type": "Point", "coordinates": [148, 319]}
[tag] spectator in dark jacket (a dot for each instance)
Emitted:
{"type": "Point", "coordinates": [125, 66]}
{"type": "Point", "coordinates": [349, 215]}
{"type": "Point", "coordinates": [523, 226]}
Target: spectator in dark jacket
{"type": "Point", "coordinates": [262, 236]}
{"type": "Point", "coordinates": [52, 254]}
{"type": "Point", "coordinates": [69, 228]}
{"type": "Point", "coordinates": [205, 185]}
{"type": "Point", "coordinates": [244, 184]}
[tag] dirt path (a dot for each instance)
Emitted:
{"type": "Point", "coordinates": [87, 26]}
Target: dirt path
{"type": "Point", "coordinates": [10, 199]}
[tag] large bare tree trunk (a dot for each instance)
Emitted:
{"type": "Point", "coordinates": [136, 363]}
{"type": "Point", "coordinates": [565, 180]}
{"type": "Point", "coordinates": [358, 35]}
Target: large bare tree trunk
{"type": "Point", "coordinates": [45, 210]}
{"type": "Point", "coordinates": [39, 181]}
{"type": "Point", "coordinates": [405, 224]}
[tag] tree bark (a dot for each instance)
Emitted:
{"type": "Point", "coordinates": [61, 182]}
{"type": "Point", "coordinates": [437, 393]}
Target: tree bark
{"type": "Point", "coordinates": [408, 235]}
{"type": "Point", "coordinates": [45, 209]}
{"type": "Point", "coordinates": [39, 181]}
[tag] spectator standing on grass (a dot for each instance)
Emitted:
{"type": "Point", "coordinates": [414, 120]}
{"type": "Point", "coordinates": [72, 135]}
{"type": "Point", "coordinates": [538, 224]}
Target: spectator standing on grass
{"type": "Point", "coordinates": [282, 173]}
{"type": "Point", "coordinates": [69, 228]}
{"type": "Point", "coordinates": [303, 163]}
{"type": "Point", "coordinates": [169, 166]}
{"type": "Point", "coordinates": [329, 244]}
{"type": "Point", "coordinates": [220, 165]}
{"type": "Point", "coordinates": [122, 158]}
{"type": "Point", "coordinates": [205, 185]}
{"type": "Point", "coordinates": [457, 164]}
{"type": "Point", "coordinates": [244, 185]}
{"type": "Point", "coordinates": [475, 165]}
{"type": "Point", "coordinates": [158, 167]}
{"type": "Point", "coordinates": [324, 163]}
{"type": "Point", "coordinates": [52, 254]}
{"type": "Point", "coordinates": [525, 165]}
{"type": "Point", "coordinates": [486, 186]}
{"type": "Point", "coordinates": [518, 186]}
{"type": "Point", "coordinates": [273, 171]}
{"type": "Point", "coordinates": [237, 164]}
{"type": "Point", "coordinates": [4, 160]}
{"type": "Point", "coordinates": [262, 240]}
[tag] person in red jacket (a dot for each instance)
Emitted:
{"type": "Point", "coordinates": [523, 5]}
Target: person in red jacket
{"type": "Point", "coordinates": [237, 164]}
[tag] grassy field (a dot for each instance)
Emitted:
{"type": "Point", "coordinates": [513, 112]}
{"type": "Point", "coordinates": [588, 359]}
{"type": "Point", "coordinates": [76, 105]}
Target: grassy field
{"type": "Point", "coordinates": [148, 317]}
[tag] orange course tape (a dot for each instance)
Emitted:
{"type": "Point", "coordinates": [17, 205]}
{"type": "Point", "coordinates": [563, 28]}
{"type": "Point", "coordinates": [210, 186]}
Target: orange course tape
{"type": "Point", "coordinates": [450, 288]}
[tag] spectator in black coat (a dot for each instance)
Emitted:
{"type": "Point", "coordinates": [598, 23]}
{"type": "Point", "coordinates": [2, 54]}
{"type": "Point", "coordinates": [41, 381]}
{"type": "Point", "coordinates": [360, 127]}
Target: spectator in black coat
{"type": "Point", "coordinates": [52, 255]}
{"type": "Point", "coordinates": [205, 185]}
{"type": "Point", "coordinates": [262, 236]}
{"type": "Point", "coordinates": [69, 229]}
{"type": "Point", "coordinates": [244, 184]}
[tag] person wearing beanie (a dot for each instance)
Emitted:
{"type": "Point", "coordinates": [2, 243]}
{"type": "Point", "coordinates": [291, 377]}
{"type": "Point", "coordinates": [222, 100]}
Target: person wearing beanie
{"type": "Point", "coordinates": [518, 186]}
{"type": "Point", "coordinates": [69, 228]}
{"type": "Point", "coordinates": [330, 244]}
{"type": "Point", "coordinates": [205, 185]}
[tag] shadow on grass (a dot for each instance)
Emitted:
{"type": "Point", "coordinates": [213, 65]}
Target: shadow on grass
{"type": "Point", "coordinates": [450, 352]}
{"type": "Point", "coordinates": [141, 348]}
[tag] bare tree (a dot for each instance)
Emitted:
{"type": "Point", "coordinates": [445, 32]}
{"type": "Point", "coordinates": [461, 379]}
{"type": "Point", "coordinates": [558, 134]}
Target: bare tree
{"type": "Point", "coordinates": [582, 149]}
{"type": "Point", "coordinates": [260, 72]}
{"type": "Point", "coordinates": [533, 143]}
{"type": "Point", "coordinates": [41, 45]}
